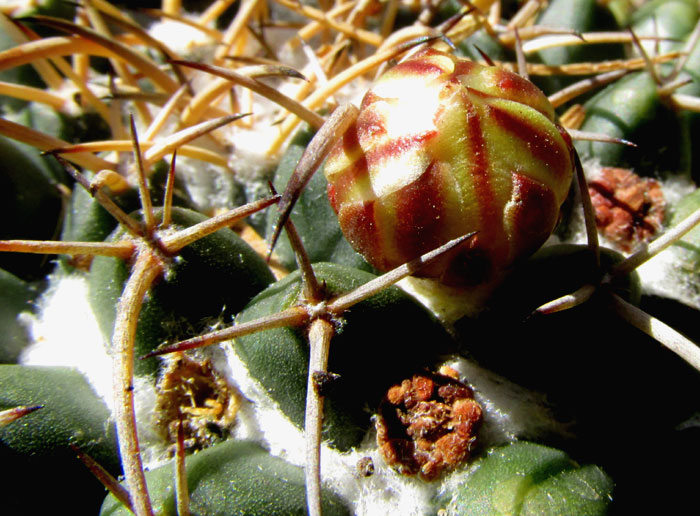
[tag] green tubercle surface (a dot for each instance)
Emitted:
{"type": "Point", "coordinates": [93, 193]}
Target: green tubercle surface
{"type": "Point", "coordinates": [233, 478]}
{"type": "Point", "coordinates": [380, 341]}
{"type": "Point", "coordinates": [530, 479]}
{"type": "Point", "coordinates": [208, 280]}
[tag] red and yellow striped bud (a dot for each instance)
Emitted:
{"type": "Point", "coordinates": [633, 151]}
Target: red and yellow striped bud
{"type": "Point", "coordinates": [443, 147]}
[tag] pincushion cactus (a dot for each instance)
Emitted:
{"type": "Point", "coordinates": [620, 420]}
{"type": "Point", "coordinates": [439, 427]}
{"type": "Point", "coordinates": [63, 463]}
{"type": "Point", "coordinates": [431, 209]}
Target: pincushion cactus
{"type": "Point", "coordinates": [228, 417]}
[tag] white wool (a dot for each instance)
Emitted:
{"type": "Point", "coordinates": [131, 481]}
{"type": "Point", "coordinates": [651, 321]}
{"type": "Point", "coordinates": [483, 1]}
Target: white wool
{"type": "Point", "coordinates": [210, 187]}
{"type": "Point", "coordinates": [512, 412]}
{"type": "Point", "coordinates": [65, 333]}
{"type": "Point", "coordinates": [385, 492]}
{"type": "Point", "coordinates": [184, 40]}
{"type": "Point", "coordinates": [661, 274]}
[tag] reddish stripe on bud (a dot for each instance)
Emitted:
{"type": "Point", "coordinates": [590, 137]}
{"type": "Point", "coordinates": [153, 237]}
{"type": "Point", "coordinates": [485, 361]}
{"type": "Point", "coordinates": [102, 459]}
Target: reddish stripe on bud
{"type": "Point", "coordinates": [494, 82]}
{"type": "Point", "coordinates": [395, 147]}
{"type": "Point", "coordinates": [465, 67]}
{"type": "Point", "coordinates": [514, 87]}
{"type": "Point", "coordinates": [421, 65]}
{"type": "Point", "coordinates": [567, 141]}
{"type": "Point", "coordinates": [491, 225]}
{"type": "Point", "coordinates": [348, 145]}
{"type": "Point", "coordinates": [360, 228]}
{"type": "Point", "coordinates": [539, 143]}
{"type": "Point", "coordinates": [419, 215]}
{"type": "Point", "coordinates": [332, 192]}
{"type": "Point", "coordinates": [420, 68]}
{"type": "Point", "coordinates": [369, 124]}
{"type": "Point", "coordinates": [345, 185]}
{"type": "Point", "coordinates": [512, 84]}
{"type": "Point", "coordinates": [369, 98]}
{"type": "Point", "coordinates": [531, 215]}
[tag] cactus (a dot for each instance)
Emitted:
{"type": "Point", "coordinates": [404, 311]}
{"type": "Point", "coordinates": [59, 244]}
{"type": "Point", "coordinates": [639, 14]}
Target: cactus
{"type": "Point", "coordinates": [194, 369]}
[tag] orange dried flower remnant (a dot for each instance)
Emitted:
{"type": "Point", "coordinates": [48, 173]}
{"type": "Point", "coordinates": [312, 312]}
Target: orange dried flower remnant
{"type": "Point", "coordinates": [427, 425]}
{"type": "Point", "coordinates": [629, 209]}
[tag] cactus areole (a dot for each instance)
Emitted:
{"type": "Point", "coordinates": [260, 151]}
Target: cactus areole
{"type": "Point", "coordinates": [443, 147]}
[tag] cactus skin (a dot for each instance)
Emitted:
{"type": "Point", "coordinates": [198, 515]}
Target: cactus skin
{"type": "Point", "coordinates": [528, 478]}
{"type": "Point", "coordinates": [463, 148]}
{"type": "Point", "coordinates": [233, 477]}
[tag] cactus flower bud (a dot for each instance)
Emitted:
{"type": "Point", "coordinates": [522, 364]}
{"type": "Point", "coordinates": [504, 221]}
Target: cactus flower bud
{"type": "Point", "coordinates": [443, 147]}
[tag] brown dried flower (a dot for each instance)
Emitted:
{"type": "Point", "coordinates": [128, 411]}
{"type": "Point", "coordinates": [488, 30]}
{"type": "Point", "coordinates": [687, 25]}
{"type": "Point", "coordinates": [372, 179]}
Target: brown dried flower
{"type": "Point", "coordinates": [629, 209]}
{"type": "Point", "coordinates": [428, 424]}
{"type": "Point", "coordinates": [193, 391]}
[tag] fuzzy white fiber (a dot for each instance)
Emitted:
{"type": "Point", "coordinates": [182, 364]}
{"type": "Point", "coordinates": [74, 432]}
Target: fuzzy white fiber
{"type": "Point", "coordinates": [65, 333]}
{"type": "Point", "coordinates": [660, 275]}
{"type": "Point", "coordinates": [385, 492]}
{"type": "Point", "coordinates": [184, 40]}
{"type": "Point", "coordinates": [512, 412]}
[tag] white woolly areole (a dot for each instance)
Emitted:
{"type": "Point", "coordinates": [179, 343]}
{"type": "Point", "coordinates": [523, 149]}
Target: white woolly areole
{"type": "Point", "coordinates": [385, 492]}
{"type": "Point", "coordinates": [663, 275]}
{"type": "Point", "coordinates": [660, 275]}
{"type": "Point", "coordinates": [250, 154]}
{"type": "Point", "coordinates": [65, 333]}
{"type": "Point", "coordinates": [259, 418]}
{"type": "Point", "coordinates": [184, 40]}
{"type": "Point", "coordinates": [511, 412]}
{"type": "Point", "coordinates": [209, 186]}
